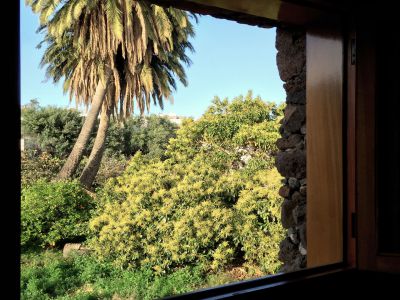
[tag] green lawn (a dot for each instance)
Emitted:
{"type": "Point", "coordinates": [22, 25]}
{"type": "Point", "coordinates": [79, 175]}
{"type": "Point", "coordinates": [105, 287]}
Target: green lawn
{"type": "Point", "coordinates": [47, 275]}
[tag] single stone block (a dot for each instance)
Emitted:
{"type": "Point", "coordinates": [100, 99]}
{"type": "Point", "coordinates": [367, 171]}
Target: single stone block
{"type": "Point", "coordinates": [287, 250]}
{"type": "Point", "coordinates": [297, 97]}
{"type": "Point", "coordinates": [296, 84]}
{"type": "Point", "coordinates": [289, 142]}
{"type": "Point", "coordinates": [299, 214]}
{"type": "Point", "coordinates": [302, 231]}
{"type": "Point", "coordinates": [303, 190]}
{"type": "Point", "coordinates": [303, 129]}
{"type": "Point", "coordinates": [74, 247]}
{"type": "Point", "coordinates": [284, 191]}
{"type": "Point", "coordinates": [293, 183]}
{"type": "Point", "coordinates": [302, 250]}
{"type": "Point", "coordinates": [295, 116]}
{"type": "Point", "coordinates": [293, 235]}
{"type": "Point", "coordinates": [286, 213]}
{"type": "Point", "coordinates": [291, 163]}
{"type": "Point", "coordinates": [298, 198]}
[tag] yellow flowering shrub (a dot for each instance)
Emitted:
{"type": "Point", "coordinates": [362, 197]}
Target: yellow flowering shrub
{"type": "Point", "coordinates": [213, 201]}
{"type": "Point", "coordinates": [258, 215]}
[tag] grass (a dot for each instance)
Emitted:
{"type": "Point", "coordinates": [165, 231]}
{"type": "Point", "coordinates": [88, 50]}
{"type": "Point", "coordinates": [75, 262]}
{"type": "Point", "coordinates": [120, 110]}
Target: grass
{"type": "Point", "coordinates": [47, 275]}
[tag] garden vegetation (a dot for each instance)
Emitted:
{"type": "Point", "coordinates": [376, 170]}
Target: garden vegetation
{"type": "Point", "coordinates": [176, 219]}
{"type": "Point", "coordinates": [50, 133]}
{"type": "Point", "coordinates": [213, 201]}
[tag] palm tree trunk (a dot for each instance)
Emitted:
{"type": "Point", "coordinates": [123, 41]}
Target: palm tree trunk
{"type": "Point", "coordinates": [75, 156]}
{"type": "Point", "coordinates": [92, 167]}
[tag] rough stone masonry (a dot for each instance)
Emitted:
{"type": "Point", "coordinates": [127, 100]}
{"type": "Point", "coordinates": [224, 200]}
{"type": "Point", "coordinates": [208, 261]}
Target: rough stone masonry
{"type": "Point", "coordinates": [291, 157]}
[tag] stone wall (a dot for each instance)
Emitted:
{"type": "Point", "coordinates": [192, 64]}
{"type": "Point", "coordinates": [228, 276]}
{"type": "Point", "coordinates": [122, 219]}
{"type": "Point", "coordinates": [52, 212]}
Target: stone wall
{"type": "Point", "coordinates": [291, 157]}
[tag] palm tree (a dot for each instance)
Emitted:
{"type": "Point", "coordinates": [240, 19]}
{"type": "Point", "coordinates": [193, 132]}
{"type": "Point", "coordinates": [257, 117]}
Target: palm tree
{"type": "Point", "coordinates": [112, 53]}
{"type": "Point", "coordinates": [92, 166]}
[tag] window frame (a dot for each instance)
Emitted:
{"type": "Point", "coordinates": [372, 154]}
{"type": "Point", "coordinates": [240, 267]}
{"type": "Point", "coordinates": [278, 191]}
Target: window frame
{"type": "Point", "coordinates": [266, 285]}
{"type": "Point", "coordinates": [293, 12]}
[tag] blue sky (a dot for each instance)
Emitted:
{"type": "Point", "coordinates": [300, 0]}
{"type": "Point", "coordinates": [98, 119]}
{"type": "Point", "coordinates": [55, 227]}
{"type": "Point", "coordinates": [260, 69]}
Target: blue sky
{"type": "Point", "coordinates": [230, 59]}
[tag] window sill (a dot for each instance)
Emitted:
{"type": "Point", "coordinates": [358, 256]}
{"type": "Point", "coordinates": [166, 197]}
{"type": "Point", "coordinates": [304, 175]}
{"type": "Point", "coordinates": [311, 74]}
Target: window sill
{"type": "Point", "coordinates": [325, 277]}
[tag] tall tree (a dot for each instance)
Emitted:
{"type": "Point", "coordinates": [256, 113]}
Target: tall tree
{"type": "Point", "coordinates": [119, 52]}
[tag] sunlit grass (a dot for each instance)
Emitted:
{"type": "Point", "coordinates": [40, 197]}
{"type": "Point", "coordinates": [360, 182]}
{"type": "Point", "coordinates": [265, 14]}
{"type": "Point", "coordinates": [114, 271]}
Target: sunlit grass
{"type": "Point", "coordinates": [47, 275]}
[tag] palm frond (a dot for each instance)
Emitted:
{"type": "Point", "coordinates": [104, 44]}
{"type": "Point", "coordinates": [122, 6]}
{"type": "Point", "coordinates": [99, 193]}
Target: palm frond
{"type": "Point", "coordinates": [114, 15]}
{"type": "Point", "coordinates": [141, 45]}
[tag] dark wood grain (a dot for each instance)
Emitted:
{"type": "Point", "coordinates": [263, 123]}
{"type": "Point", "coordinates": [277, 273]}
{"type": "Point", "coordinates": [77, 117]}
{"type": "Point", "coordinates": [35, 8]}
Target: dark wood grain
{"type": "Point", "coordinates": [365, 127]}
{"type": "Point", "coordinates": [377, 147]}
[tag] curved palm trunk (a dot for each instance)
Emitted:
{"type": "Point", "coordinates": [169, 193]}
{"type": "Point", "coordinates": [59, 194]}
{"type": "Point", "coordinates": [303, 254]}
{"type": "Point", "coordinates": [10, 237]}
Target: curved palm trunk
{"type": "Point", "coordinates": [92, 167]}
{"type": "Point", "coordinates": [75, 156]}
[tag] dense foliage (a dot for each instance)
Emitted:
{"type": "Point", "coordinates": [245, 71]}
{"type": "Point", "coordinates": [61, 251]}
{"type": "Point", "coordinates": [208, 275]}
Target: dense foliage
{"type": "Point", "coordinates": [54, 212]}
{"type": "Point", "coordinates": [187, 204]}
{"type": "Point", "coordinates": [150, 135]}
{"type": "Point", "coordinates": [36, 166]}
{"type": "Point", "coordinates": [44, 166]}
{"type": "Point", "coordinates": [111, 166]}
{"type": "Point", "coordinates": [53, 129]}
{"type": "Point", "coordinates": [212, 202]}
{"type": "Point", "coordinates": [49, 276]}
{"type": "Point", "coordinates": [56, 129]}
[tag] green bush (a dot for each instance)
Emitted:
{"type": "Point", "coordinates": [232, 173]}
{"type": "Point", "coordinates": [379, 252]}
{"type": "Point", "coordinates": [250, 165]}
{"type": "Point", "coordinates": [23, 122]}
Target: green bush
{"type": "Point", "coordinates": [43, 166]}
{"type": "Point", "coordinates": [212, 201]}
{"type": "Point", "coordinates": [149, 135]}
{"type": "Point", "coordinates": [56, 129]}
{"type": "Point", "coordinates": [36, 166]}
{"type": "Point", "coordinates": [54, 212]}
{"type": "Point", "coordinates": [111, 166]}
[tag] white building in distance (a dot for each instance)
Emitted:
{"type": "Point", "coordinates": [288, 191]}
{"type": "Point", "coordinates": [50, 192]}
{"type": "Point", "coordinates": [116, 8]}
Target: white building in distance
{"type": "Point", "coordinates": [173, 118]}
